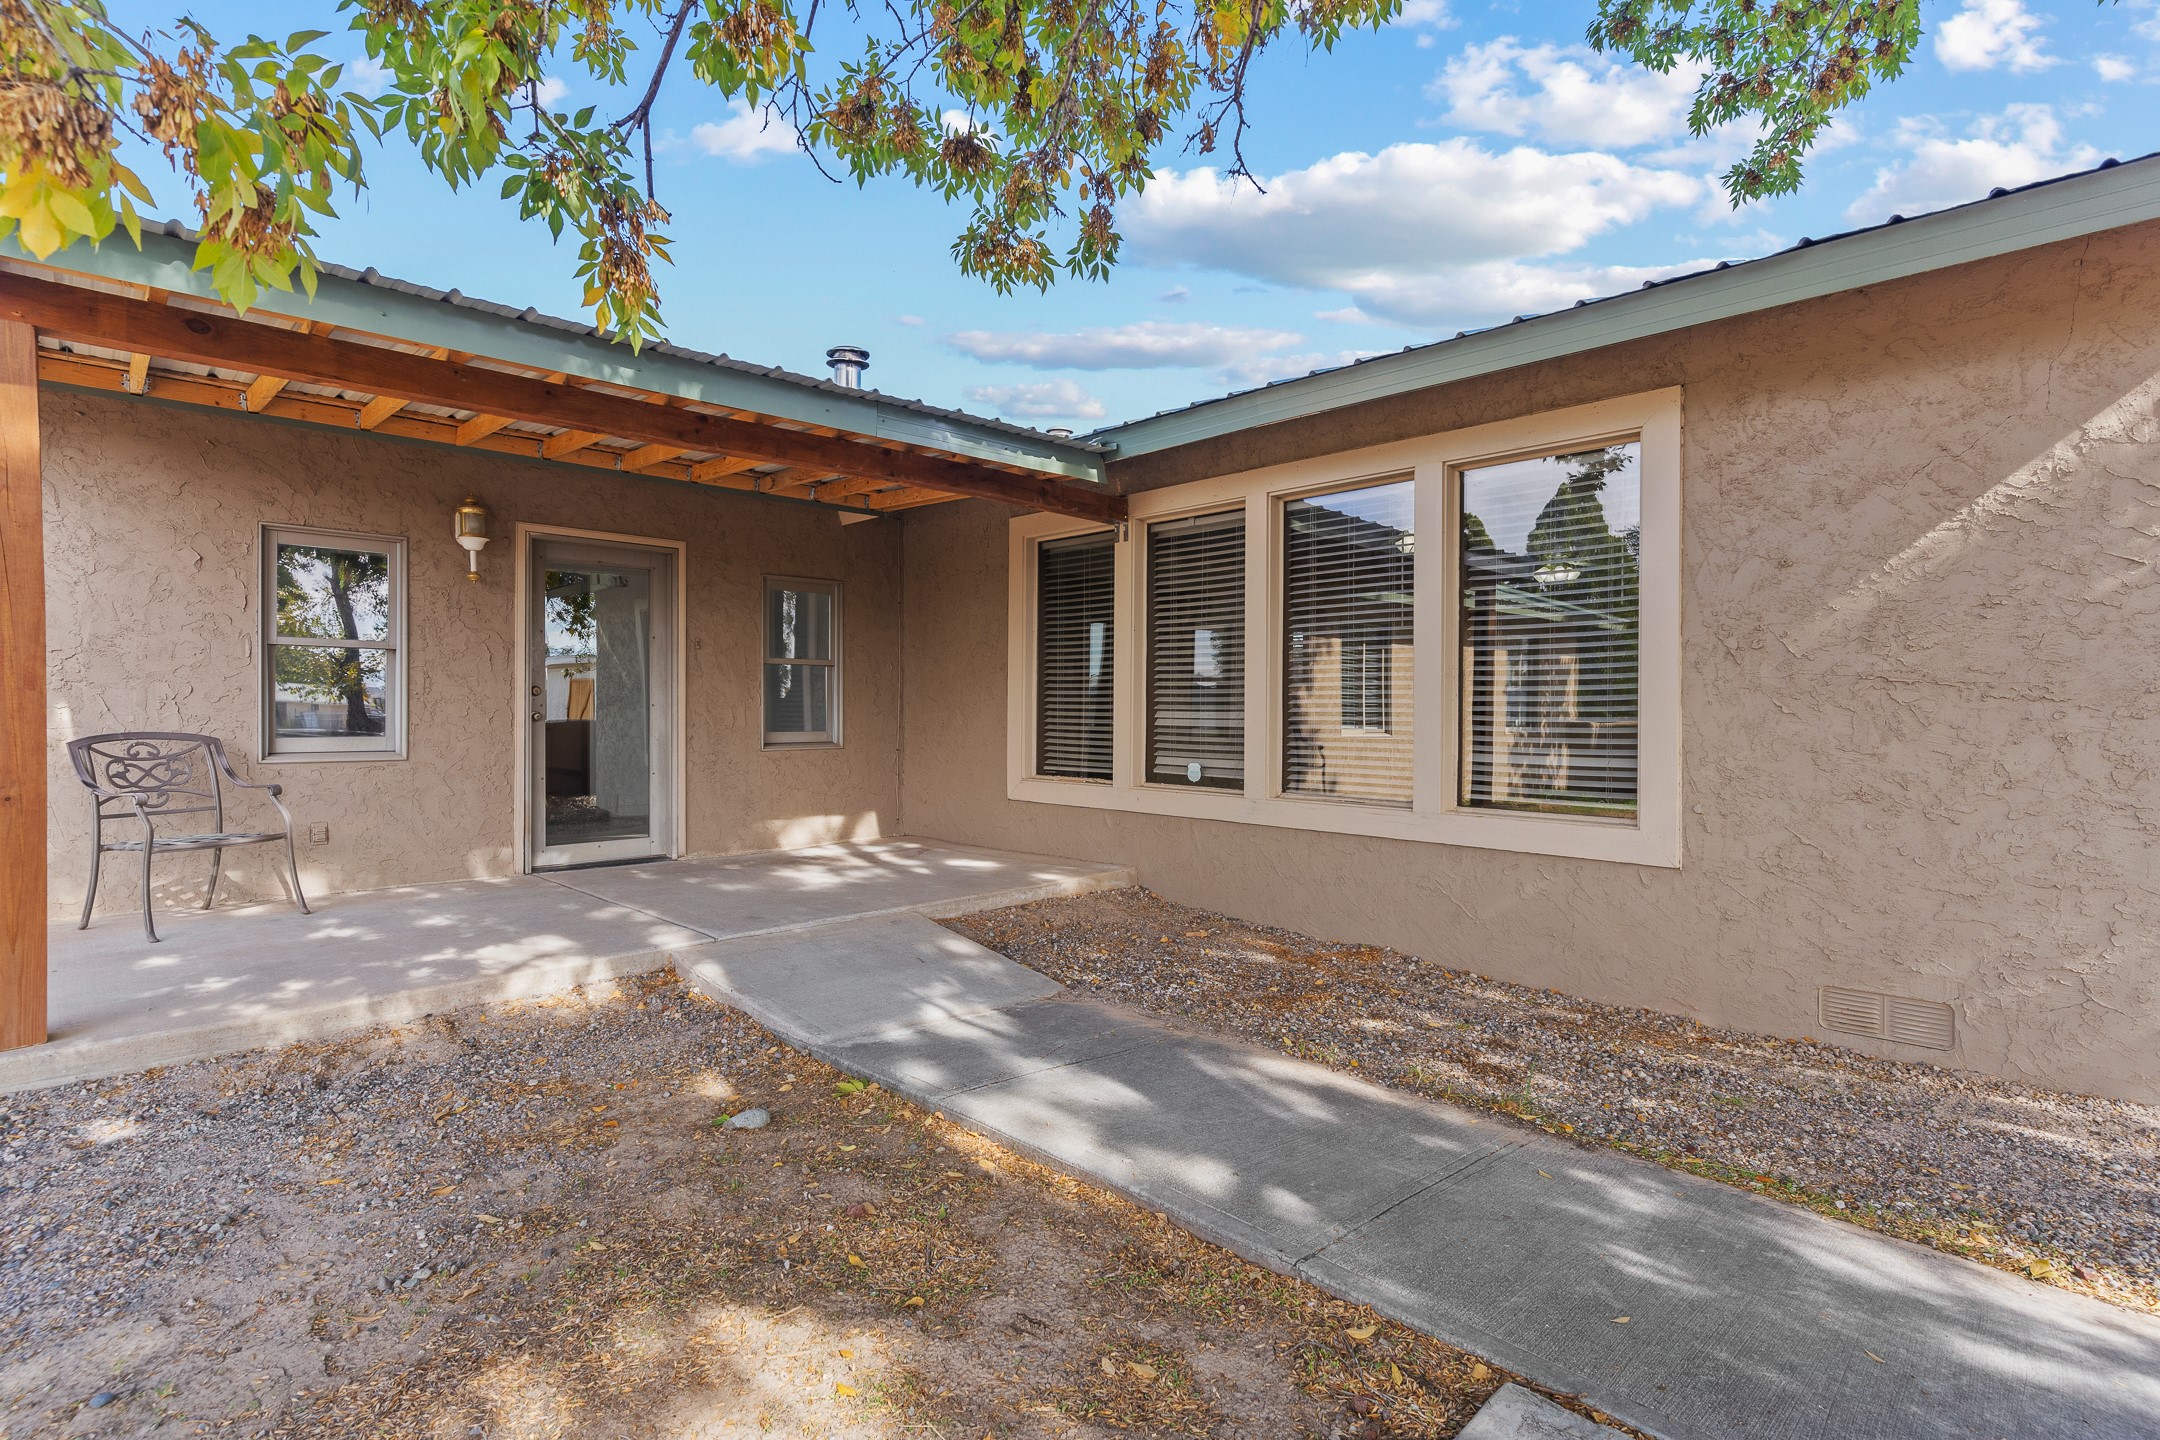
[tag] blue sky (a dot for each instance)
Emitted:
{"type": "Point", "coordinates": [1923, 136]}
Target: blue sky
{"type": "Point", "coordinates": [1470, 163]}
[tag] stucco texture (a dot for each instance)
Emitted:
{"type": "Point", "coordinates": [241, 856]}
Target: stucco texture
{"type": "Point", "coordinates": [153, 516]}
{"type": "Point", "coordinates": [1921, 699]}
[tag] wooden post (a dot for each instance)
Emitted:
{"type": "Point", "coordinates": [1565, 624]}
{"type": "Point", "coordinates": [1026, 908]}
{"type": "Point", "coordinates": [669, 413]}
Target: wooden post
{"type": "Point", "coordinates": [22, 695]}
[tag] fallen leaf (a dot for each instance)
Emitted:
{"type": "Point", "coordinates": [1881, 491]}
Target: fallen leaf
{"type": "Point", "coordinates": [468, 1294]}
{"type": "Point", "coordinates": [1363, 1332]}
{"type": "Point", "coordinates": [1874, 1357]}
{"type": "Point", "coordinates": [1393, 1373]}
{"type": "Point", "coordinates": [911, 1300]}
{"type": "Point", "coordinates": [1546, 1173]}
{"type": "Point", "coordinates": [1620, 1320]}
{"type": "Point", "coordinates": [841, 1387]}
{"type": "Point", "coordinates": [847, 1354]}
{"type": "Point", "coordinates": [1480, 1372]}
{"type": "Point", "coordinates": [1196, 934]}
{"type": "Point", "coordinates": [1109, 1366]}
{"type": "Point", "coordinates": [1144, 1373]}
{"type": "Point", "coordinates": [443, 1190]}
{"type": "Point", "coordinates": [487, 1219]}
{"type": "Point", "coordinates": [847, 1147]}
{"type": "Point", "coordinates": [329, 1182]}
{"type": "Point", "coordinates": [855, 1260]}
{"type": "Point", "coordinates": [598, 1108]}
{"type": "Point", "coordinates": [2039, 1269]}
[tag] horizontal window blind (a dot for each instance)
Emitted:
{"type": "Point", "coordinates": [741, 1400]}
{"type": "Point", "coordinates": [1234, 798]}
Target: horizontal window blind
{"type": "Point", "coordinates": [1196, 651]}
{"type": "Point", "coordinates": [1075, 594]}
{"type": "Point", "coordinates": [1348, 573]}
{"type": "Point", "coordinates": [1551, 620]}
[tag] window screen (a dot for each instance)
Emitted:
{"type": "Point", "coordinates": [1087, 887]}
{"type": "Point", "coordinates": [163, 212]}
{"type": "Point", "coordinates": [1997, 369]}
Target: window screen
{"type": "Point", "coordinates": [1196, 651]}
{"type": "Point", "coordinates": [1074, 595]}
{"type": "Point", "coordinates": [1551, 605]}
{"type": "Point", "coordinates": [802, 670]}
{"type": "Point", "coordinates": [1348, 563]}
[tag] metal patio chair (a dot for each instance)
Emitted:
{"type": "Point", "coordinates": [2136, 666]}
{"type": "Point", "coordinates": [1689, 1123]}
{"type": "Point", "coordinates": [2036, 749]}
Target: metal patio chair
{"type": "Point", "coordinates": [157, 775]}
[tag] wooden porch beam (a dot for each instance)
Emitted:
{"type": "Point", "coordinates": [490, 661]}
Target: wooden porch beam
{"type": "Point", "coordinates": [22, 696]}
{"type": "Point", "coordinates": [262, 390]}
{"type": "Point", "coordinates": [77, 313]}
{"type": "Point", "coordinates": [138, 374]}
{"type": "Point", "coordinates": [646, 456]}
{"type": "Point", "coordinates": [709, 470]}
{"type": "Point", "coordinates": [377, 410]}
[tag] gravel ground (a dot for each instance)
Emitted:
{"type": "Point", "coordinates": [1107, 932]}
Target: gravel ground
{"type": "Point", "coordinates": [533, 1222]}
{"type": "Point", "coordinates": [2065, 1188]}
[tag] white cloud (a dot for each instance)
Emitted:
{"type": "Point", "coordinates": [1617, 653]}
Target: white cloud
{"type": "Point", "coordinates": [2114, 68]}
{"type": "Point", "coordinates": [1420, 233]}
{"type": "Point", "coordinates": [551, 92]}
{"type": "Point", "coordinates": [1143, 345]}
{"type": "Point", "coordinates": [1431, 13]}
{"type": "Point", "coordinates": [1566, 96]}
{"type": "Point", "coordinates": [913, 321]}
{"type": "Point", "coordinates": [745, 135]}
{"type": "Point", "coordinates": [1986, 34]}
{"type": "Point", "coordinates": [368, 76]}
{"type": "Point", "coordinates": [1256, 370]}
{"type": "Point", "coordinates": [1175, 295]}
{"type": "Point", "coordinates": [1347, 315]}
{"type": "Point", "coordinates": [2017, 147]}
{"type": "Point", "coordinates": [1049, 400]}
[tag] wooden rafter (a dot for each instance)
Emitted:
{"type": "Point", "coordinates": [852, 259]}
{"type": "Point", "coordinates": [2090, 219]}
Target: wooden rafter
{"type": "Point", "coordinates": [262, 390]}
{"type": "Point", "coordinates": [205, 338]}
{"type": "Point", "coordinates": [480, 427]}
{"type": "Point", "coordinates": [138, 374]}
{"type": "Point", "coordinates": [706, 470]}
{"type": "Point", "coordinates": [647, 456]}
{"type": "Point", "coordinates": [570, 441]}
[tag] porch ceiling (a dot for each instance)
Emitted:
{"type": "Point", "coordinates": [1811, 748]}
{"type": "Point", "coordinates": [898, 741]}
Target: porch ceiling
{"type": "Point", "coordinates": [104, 334]}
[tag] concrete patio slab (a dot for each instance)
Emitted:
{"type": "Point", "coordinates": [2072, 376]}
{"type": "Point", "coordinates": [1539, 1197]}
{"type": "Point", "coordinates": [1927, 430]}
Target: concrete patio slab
{"type": "Point", "coordinates": [248, 976]}
{"type": "Point", "coordinates": [728, 896]}
{"type": "Point", "coordinates": [1680, 1306]}
{"type": "Point", "coordinates": [852, 979]}
{"type": "Point", "coordinates": [235, 979]}
{"type": "Point", "coordinates": [1514, 1413]}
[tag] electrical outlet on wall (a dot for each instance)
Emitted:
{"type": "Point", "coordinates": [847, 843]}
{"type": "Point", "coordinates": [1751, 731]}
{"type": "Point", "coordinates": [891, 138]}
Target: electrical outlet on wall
{"type": "Point", "coordinates": [318, 834]}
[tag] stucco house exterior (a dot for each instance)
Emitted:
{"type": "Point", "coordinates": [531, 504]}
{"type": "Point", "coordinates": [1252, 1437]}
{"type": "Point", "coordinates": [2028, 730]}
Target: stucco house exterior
{"type": "Point", "coordinates": [1777, 645]}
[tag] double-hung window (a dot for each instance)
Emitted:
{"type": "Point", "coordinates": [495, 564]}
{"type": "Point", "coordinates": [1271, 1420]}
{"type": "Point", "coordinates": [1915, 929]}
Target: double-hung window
{"type": "Point", "coordinates": [1349, 578]}
{"type": "Point", "coordinates": [1551, 626]}
{"type": "Point", "coordinates": [1246, 648]}
{"type": "Point", "coordinates": [802, 662]}
{"type": "Point", "coordinates": [1196, 651]}
{"type": "Point", "coordinates": [333, 645]}
{"type": "Point", "coordinates": [1075, 655]}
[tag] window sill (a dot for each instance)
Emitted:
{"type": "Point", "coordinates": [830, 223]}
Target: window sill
{"type": "Point", "coordinates": [1565, 837]}
{"type": "Point", "coordinates": [336, 757]}
{"type": "Point", "coordinates": [799, 745]}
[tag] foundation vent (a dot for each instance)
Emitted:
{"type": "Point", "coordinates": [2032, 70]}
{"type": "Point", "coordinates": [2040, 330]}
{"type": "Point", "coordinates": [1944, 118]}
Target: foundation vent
{"type": "Point", "coordinates": [1899, 1019]}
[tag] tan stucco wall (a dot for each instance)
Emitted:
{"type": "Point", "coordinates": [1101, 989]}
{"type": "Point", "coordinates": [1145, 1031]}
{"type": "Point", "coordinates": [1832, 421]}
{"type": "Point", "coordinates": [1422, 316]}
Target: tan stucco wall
{"type": "Point", "coordinates": [1921, 698]}
{"type": "Point", "coordinates": [152, 517]}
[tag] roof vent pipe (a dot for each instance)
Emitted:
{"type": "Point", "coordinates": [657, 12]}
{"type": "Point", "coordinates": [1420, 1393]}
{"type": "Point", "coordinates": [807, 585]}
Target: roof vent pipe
{"type": "Point", "coordinates": [848, 362]}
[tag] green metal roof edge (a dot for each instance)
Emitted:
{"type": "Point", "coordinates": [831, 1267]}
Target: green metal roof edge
{"type": "Point", "coordinates": [370, 302]}
{"type": "Point", "coordinates": [2114, 195]}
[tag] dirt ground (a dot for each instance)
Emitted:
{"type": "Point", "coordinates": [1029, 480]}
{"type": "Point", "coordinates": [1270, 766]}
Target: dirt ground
{"type": "Point", "coordinates": [533, 1222]}
{"type": "Point", "coordinates": [2062, 1188]}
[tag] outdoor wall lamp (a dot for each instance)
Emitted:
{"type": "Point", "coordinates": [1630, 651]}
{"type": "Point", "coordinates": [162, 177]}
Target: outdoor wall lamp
{"type": "Point", "coordinates": [472, 518]}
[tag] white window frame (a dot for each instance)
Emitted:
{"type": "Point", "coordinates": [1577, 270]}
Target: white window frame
{"type": "Point", "coordinates": [828, 738]}
{"type": "Point", "coordinates": [288, 749]}
{"type": "Point", "coordinates": [1435, 463]}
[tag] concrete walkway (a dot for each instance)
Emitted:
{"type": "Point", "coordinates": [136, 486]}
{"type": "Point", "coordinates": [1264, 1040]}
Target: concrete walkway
{"type": "Point", "coordinates": [234, 979]}
{"type": "Point", "coordinates": [1683, 1307]}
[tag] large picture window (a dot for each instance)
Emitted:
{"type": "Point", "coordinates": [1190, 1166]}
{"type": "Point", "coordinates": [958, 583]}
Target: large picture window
{"type": "Point", "coordinates": [1075, 656]}
{"type": "Point", "coordinates": [1349, 583]}
{"type": "Point", "coordinates": [802, 662]}
{"type": "Point", "coordinates": [1245, 647]}
{"type": "Point", "coordinates": [333, 638]}
{"type": "Point", "coordinates": [1196, 651]}
{"type": "Point", "coordinates": [1551, 565]}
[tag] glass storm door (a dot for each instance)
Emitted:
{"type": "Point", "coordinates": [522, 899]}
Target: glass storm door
{"type": "Point", "coordinates": [601, 713]}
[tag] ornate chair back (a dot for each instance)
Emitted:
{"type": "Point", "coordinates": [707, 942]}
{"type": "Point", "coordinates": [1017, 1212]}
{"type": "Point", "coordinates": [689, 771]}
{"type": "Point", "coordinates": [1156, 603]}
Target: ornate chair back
{"type": "Point", "coordinates": [173, 773]}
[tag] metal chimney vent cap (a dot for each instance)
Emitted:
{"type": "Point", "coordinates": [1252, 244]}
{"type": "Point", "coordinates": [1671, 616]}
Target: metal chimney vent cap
{"type": "Point", "coordinates": [848, 362]}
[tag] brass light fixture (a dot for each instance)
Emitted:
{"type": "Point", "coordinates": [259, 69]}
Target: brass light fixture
{"type": "Point", "coordinates": [472, 533]}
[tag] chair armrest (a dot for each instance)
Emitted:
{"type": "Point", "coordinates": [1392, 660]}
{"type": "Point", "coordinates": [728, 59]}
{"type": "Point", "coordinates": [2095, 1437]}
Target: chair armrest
{"type": "Point", "coordinates": [225, 766]}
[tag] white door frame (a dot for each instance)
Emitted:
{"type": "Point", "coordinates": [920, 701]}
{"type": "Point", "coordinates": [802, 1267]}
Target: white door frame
{"type": "Point", "coordinates": [527, 537]}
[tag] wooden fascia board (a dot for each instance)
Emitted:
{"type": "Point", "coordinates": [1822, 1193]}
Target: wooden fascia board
{"type": "Point", "coordinates": [78, 313]}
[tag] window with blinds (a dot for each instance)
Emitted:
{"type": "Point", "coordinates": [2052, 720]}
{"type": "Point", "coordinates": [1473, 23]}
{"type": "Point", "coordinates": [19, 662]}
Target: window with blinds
{"type": "Point", "coordinates": [1196, 651]}
{"type": "Point", "coordinates": [1075, 592]}
{"type": "Point", "coordinates": [1551, 618]}
{"type": "Point", "coordinates": [1347, 571]}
